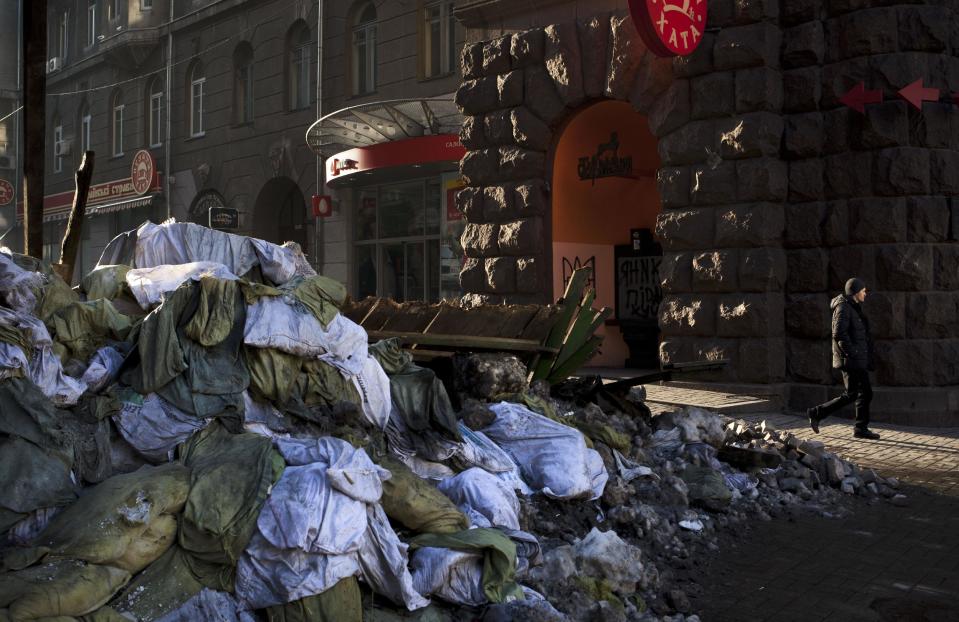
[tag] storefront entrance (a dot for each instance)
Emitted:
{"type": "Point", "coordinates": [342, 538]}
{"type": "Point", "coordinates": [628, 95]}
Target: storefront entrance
{"type": "Point", "coordinates": [280, 213]}
{"type": "Point", "coordinates": [604, 208]}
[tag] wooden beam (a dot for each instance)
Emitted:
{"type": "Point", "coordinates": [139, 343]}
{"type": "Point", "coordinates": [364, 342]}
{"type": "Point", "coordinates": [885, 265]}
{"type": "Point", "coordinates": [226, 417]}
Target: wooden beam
{"type": "Point", "coordinates": [463, 341]}
{"type": "Point", "coordinates": [71, 238]}
{"type": "Point", "coordinates": [34, 46]}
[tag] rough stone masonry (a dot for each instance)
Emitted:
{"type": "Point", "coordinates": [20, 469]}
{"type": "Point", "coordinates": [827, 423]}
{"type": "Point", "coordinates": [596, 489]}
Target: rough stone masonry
{"type": "Point", "coordinates": [773, 192]}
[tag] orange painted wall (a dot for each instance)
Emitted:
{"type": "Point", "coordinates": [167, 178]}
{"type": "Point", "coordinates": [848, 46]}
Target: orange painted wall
{"type": "Point", "coordinates": [590, 219]}
{"type": "Point", "coordinates": [605, 212]}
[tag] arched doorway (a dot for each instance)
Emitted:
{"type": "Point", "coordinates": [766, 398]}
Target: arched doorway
{"type": "Point", "coordinates": [604, 208]}
{"type": "Point", "coordinates": [279, 214]}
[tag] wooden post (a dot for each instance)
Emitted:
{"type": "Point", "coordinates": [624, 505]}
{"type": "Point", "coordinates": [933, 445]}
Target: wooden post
{"type": "Point", "coordinates": [34, 123]}
{"type": "Point", "coordinates": [71, 238]}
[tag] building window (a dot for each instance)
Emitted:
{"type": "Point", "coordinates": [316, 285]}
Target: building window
{"type": "Point", "coordinates": [364, 50]}
{"type": "Point", "coordinates": [63, 39]}
{"type": "Point", "coordinates": [116, 128]}
{"type": "Point", "coordinates": [91, 22]}
{"type": "Point", "coordinates": [155, 113]}
{"type": "Point", "coordinates": [243, 84]}
{"type": "Point", "coordinates": [146, 5]}
{"type": "Point", "coordinates": [197, 82]}
{"type": "Point", "coordinates": [439, 44]}
{"type": "Point", "coordinates": [57, 146]}
{"type": "Point", "coordinates": [298, 43]}
{"type": "Point", "coordinates": [85, 128]}
{"type": "Point", "coordinates": [113, 9]}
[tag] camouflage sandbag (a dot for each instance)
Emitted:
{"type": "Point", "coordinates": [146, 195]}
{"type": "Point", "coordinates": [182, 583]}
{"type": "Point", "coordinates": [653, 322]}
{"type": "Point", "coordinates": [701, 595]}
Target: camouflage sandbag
{"type": "Point", "coordinates": [59, 588]}
{"type": "Point", "coordinates": [340, 603]}
{"type": "Point", "coordinates": [127, 522]}
{"type": "Point", "coordinates": [417, 504]}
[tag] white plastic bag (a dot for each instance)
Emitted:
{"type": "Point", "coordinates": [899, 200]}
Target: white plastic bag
{"type": "Point", "coordinates": [148, 285]}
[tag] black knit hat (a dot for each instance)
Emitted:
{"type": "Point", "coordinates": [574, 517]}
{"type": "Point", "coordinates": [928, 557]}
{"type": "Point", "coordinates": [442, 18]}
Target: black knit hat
{"type": "Point", "coordinates": [854, 286]}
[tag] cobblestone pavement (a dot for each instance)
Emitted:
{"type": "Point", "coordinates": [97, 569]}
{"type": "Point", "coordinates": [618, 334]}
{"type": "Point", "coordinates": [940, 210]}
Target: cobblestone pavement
{"type": "Point", "coordinates": [880, 562]}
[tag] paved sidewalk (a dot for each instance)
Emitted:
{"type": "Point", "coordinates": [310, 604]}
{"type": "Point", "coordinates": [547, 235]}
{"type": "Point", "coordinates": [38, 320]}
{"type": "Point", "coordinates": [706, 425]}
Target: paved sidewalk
{"type": "Point", "coordinates": [927, 457]}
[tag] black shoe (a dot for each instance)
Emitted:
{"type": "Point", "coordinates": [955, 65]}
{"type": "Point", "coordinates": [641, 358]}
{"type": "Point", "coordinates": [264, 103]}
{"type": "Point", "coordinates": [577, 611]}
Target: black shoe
{"type": "Point", "coordinates": [866, 433]}
{"type": "Point", "coordinates": [813, 414]}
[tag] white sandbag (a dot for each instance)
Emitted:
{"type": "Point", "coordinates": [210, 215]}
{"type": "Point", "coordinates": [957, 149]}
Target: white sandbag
{"type": "Point", "coordinates": [384, 561]}
{"type": "Point", "coordinates": [483, 496]}
{"type": "Point", "coordinates": [154, 427]}
{"type": "Point", "coordinates": [46, 371]}
{"type": "Point", "coordinates": [280, 263]}
{"type": "Point", "coordinates": [17, 285]}
{"type": "Point", "coordinates": [35, 329]}
{"type": "Point", "coordinates": [179, 243]}
{"type": "Point", "coordinates": [321, 524]}
{"type": "Point", "coordinates": [103, 369]}
{"type": "Point", "coordinates": [148, 285]}
{"type": "Point", "coordinates": [453, 575]}
{"type": "Point", "coordinates": [274, 322]}
{"type": "Point", "coordinates": [424, 469]}
{"type": "Point", "coordinates": [13, 361]}
{"type": "Point", "coordinates": [210, 606]}
{"type": "Point", "coordinates": [347, 344]}
{"type": "Point", "coordinates": [373, 385]}
{"type": "Point", "coordinates": [552, 457]}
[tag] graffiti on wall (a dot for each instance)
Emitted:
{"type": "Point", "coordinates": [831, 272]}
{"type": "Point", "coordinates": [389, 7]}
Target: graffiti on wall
{"type": "Point", "coordinates": [638, 288]}
{"type": "Point", "coordinates": [572, 264]}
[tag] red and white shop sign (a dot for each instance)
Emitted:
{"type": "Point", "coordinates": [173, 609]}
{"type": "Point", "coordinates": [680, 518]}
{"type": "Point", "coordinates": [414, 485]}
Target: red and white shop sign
{"type": "Point", "coordinates": [142, 171]}
{"type": "Point", "coordinates": [670, 27]}
{"type": "Point", "coordinates": [6, 192]}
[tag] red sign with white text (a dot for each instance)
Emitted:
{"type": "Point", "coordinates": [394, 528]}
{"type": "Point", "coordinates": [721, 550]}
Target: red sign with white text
{"type": "Point", "coordinates": [6, 192]}
{"type": "Point", "coordinates": [669, 27]}
{"type": "Point", "coordinates": [419, 150]}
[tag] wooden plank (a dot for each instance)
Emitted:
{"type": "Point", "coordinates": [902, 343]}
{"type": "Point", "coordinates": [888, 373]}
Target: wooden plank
{"type": "Point", "coordinates": [410, 317]}
{"type": "Point", "coordinates": [71, 239]}
{"type": "Point", "coordinates": [463, 341]}
{"type": "Point", "coordinates": [577, 360]}
{"type": "Point", "coordinates": [357, 310]}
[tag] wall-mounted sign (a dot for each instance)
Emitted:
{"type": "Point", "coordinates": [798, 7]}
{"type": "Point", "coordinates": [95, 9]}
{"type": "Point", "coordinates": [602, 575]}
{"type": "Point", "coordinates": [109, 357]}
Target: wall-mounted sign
{"type": "Point", "coordinates": [606, 162]}
{"type": "Point", "coordinates": [6, 192]}
{"type": "Point", "coordinates": [338, 166]}
{"type": "Point", "coordinates": [669, 27]}
{"type": "Point", "coordinates": [322, 206]}
{"type": "Point", "coordinates": [224, 218]}
{"type": "Point", "coordinates": [141, 171]}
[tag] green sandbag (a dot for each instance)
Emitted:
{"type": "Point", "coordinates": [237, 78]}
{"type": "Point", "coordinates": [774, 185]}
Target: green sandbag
{"type": "Point", "coordinates": [81, 328]}
{"type": "Point", "coordinates": [295, 384]}
{"type": "Point", "coordinates": [499, 558]}
{"type": "Point", "coordinates": [33, 477]}
{"type": "Point", "coordinates": [214, 316]}
{"type": "Point", "coordinates": [59, 588]}
{"type": "Point", "coordinates": [105, 282]}
{"type": "Point", "coordinates": [706, 487]}
{"type": "Point", "coordinates": [321, 295]}
{"type": "Point", "coordinates": [417, 504]}
{"type": "Point", "coordinates": [321, 384]}
{"type": "Point", "coordinates": [127, 521]}
{"type": "Point", "coordinates": [26, 412]}
{"type": "Point", "coordinates": [161, 588]}
{"type": "Point", "coordinates": [340, 603]}
{"type": "Point", "coordinates": [231, 477]}
{"type": "Point", "coordinates": [272, 373]}
{"type": "Point", "coordinates": [422, 401]}
{"type": "Point", "coordinates": [390, 355]}
{"type": "Point", "coordinates": [57, 294]}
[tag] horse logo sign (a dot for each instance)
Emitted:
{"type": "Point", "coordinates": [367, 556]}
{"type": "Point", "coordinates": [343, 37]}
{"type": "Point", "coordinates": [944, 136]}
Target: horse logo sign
{"type": "Point", "coordinates": [670, 27]}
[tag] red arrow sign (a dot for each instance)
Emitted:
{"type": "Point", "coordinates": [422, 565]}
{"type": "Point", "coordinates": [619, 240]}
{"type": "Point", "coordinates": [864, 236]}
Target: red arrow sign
{"type": "Point", "coordinates": [916, 93]}
{"type": "Point", "coordinates": [858, 97]}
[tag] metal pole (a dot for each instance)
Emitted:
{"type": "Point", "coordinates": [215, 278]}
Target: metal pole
{"type": "Point", "coordinates": [318, 242]}
{"type": "Point", "coordinates": [34, 123]}
{"type": "Point", "coordinates": [168, 96]}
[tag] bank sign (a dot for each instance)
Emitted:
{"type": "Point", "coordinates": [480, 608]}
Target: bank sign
{"type": "Point", "coordinates": [669, 27]}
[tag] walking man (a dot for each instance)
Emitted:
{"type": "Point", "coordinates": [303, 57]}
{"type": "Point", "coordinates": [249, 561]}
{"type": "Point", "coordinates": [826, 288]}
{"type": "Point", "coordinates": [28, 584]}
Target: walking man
{"type": "Point", "coordinates": [852, 353]}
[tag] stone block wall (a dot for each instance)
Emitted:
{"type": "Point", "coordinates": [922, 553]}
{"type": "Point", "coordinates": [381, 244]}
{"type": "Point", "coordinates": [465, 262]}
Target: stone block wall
{"type": "Point", "coordinates": [773, 192]}
{"type": "Point", "coordinates": [871, 195]}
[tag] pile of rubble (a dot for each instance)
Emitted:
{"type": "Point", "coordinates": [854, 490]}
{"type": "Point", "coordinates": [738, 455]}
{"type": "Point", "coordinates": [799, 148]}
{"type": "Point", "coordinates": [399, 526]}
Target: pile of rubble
{"type": "Point", "coordinates": [196, 433]}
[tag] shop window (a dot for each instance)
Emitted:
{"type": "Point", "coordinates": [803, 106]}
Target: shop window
{"type": "Point", "coordinates": [197, 85]}
{"type": "Point", "coordinates": [91, 22]}
{"type": "Point", "coordinates": [298, 72]}
{"type": "Point", "coordinates": [116, 127]}
{"type": "Point", "coordinates": [52, 239]}
{"type": "Point", "coordinates": [154, 113]}
{"type": "Point", "coordinates": [439, 39]}
{"type": "Point", "coordinates": [401, 243]}
{"type": "Point", "coordinates": [243, 84]}
{"type": "Point", "coordinates": [363, 58]}
{"type": "Point", "coordinates": [57, 146]}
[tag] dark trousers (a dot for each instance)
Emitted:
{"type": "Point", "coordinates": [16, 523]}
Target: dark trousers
{"type": "Point", "coordinates": [858, 390]}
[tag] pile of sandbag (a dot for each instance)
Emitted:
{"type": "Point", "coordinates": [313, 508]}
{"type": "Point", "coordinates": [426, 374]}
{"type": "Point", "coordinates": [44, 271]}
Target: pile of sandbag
{"type": "Point", "coordinates": [197, 433]}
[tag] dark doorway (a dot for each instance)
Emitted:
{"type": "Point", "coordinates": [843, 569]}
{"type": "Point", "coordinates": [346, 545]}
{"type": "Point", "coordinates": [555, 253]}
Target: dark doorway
{"type": "Point", "coordinates": [280, 213]}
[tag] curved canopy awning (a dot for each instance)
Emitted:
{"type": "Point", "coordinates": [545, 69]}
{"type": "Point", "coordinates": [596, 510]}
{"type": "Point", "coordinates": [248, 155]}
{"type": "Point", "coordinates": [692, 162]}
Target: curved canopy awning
{"type": "Point", "coordinates": [379, 122]}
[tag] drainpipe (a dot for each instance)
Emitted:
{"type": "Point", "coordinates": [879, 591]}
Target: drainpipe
{"type": "Point", "coordinates": [318, 238]}
{"type": "Point", "coordinates": [18, 170]}
{"type": "Point", "coordinates": [169, 123]}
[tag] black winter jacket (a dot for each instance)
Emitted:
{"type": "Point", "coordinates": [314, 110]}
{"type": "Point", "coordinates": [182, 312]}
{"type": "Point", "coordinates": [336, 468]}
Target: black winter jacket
{"type": "Point", "coordinates": [851, 340]}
